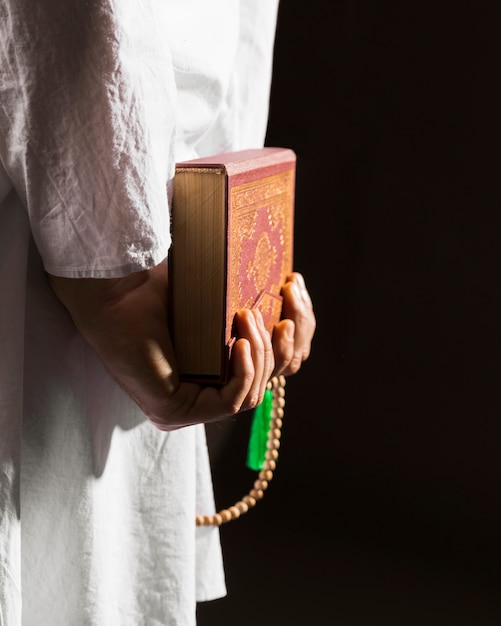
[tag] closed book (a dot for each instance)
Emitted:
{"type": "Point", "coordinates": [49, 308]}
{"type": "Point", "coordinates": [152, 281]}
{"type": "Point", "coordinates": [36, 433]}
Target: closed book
{"type": "Point", "coordinates": [232, 232]}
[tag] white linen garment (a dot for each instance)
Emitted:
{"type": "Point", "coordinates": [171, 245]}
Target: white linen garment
{"type": "Point", "coordinates": [98, 100]}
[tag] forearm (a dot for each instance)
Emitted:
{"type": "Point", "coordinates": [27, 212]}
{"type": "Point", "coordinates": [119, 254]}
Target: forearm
{"type": "Point", "coordinates": [125, 321]}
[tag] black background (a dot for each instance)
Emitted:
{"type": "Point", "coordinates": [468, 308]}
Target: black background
{"type": "Point", "coordinates": [385, 506]}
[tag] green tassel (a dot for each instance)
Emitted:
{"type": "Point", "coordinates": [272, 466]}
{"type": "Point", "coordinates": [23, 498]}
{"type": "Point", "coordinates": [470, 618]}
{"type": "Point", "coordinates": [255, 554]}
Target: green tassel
{"type": "Point", "coordinates": [258, 439]}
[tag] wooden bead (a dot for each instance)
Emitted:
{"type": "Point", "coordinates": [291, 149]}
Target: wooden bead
{"type": "Point", "coordinates": [257, 493]}
{"type": "Point", "coordinates": [243, 507]}
{"type": "Point", "coordinates": [272, 454]}
{"type": "Point", "coordinates": [249, 500]}
{"type": "Point", "coordinates": [261, 484]}
{"type": "Point", "coordinates": [270, 464]}
{"type": "Point", "coordinates": [265, 475]}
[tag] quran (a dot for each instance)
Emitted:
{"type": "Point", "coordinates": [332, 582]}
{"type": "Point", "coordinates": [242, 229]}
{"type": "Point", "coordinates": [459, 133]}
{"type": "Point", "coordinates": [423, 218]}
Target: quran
{"type": "Point", "coordinates": [232, 232]}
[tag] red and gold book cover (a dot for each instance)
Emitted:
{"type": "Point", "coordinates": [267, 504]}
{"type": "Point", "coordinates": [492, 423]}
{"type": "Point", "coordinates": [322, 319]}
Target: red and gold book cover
{"type": "Point", "coordinates": [260, 238]}
{"type": "Point", "coordinates": [259, 222]}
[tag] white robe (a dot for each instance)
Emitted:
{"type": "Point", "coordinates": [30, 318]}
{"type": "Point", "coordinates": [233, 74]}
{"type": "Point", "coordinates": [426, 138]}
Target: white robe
{"type": "Point", "coordinates": [98, 100]}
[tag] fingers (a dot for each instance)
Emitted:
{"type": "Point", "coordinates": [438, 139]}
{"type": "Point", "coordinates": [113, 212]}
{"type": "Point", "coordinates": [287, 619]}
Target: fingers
{"type": "Point", "coordinates": [250, 327]}
{"type": "Point", "coordinates": [252, 364]}
{"type": "Point", "coordinates": [292, 337]}
{"type": "Point", "coordinates": [283, 347]}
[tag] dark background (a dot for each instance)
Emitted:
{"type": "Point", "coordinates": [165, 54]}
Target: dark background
{"type": "Point", "coordinates": [385, 506]}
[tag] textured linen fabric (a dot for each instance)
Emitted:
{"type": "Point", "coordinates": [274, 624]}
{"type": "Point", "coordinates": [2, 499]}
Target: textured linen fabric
{"type": "Point", "coordinates": [98, 101]}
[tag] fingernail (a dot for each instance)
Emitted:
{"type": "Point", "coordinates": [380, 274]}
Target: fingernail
{"type": "Point", "coordinates": [259, 318]}
{"type": "Point", "coordinates": [300, 281]}
{"type": "Point", "coordinates": [253, 316]}
{"type": "Point", "coordinates": [296, 289]}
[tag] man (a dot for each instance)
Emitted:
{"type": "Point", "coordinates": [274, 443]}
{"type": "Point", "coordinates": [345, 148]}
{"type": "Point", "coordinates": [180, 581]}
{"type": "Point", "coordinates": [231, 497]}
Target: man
{"type": "Point", "coordinates": [97, 103]}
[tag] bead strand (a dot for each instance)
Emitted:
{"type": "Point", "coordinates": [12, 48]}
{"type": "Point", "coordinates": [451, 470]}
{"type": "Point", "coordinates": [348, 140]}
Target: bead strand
{"type": "Point", "coordinates": [277, 386]}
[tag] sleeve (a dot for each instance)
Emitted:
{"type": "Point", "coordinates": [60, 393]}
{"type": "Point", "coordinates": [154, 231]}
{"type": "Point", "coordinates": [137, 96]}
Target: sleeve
{"type": "Point", "coordinates": [87, 124]}
{"type": "Point", "coordinates": [253, 69]}
{"type": "Point", "coordinates": [243, 117]}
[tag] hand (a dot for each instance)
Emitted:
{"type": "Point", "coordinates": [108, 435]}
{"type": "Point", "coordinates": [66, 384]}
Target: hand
{"type": "Point", "coordinates": [293, 335]}
{"type": "Point", "coordinates": [125, 321]}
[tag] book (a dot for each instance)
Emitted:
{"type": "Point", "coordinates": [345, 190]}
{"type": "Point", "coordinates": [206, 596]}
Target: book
{"type": "Point", "coordinates": [232, 232]}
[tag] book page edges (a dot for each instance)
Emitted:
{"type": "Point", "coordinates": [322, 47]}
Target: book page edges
{"type": "Point", "coordinates": [199, 232]}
